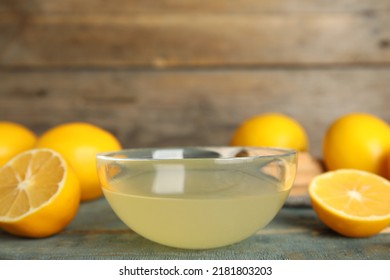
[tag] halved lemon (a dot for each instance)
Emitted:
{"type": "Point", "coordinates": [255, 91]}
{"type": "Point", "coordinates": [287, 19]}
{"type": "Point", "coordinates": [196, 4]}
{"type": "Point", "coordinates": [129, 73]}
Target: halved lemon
{"type": "Point", "coordinates": [353, 203]}
{"type": "Point", "coordinates": [39, 194]}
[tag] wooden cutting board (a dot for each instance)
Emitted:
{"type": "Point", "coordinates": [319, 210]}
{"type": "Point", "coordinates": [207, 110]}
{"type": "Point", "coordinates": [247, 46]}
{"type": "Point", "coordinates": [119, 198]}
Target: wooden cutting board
{"type": "Point", "coordinates": [308, 168]}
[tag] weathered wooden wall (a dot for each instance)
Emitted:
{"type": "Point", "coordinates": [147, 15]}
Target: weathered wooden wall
{"type": "Point", "coordinates": [188, 72]}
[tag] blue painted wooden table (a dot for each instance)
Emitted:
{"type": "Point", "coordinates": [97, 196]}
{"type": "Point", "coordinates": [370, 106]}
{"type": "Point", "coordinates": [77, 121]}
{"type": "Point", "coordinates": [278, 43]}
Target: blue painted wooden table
{"type": "Point", "coordinates": [96, 233]}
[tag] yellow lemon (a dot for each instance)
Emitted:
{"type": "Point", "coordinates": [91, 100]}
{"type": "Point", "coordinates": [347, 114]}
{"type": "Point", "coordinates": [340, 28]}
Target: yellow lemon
{"type": "Point", "coordinates": [39, 194]}
{"type": "Point", "coordinates": [14, 138]}
{"type": "Point", "coordinates": [358, 141]}
{"type": "Point", "coordinates": [271, 129]}
{"type": "Point", "coordinates": [352, 202]}
{"type": "Point", "coordinates": [79, 143]}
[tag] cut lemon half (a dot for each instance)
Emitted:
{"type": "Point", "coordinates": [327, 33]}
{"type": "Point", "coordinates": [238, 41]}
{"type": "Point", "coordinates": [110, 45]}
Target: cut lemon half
{"type": "Point", "coordinates": [351, 202]}
{"type": "Point", "coordinates": [39, 194]}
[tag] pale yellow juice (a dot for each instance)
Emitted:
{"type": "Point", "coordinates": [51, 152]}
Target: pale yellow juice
{"type": "Point", "coordinates": [193, 208]}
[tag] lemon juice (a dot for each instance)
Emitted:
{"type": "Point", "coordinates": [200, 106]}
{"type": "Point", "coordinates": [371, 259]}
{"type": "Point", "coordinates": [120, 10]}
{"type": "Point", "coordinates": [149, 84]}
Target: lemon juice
{"type": "Point", "coordinates": [189, 206]}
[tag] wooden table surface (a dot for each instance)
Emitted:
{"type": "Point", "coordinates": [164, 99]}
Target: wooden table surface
{"type": "Point", "coordinates": [96, 233]}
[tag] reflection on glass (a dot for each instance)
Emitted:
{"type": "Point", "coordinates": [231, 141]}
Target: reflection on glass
{"type": "Point", "coordinates": [169, 179]}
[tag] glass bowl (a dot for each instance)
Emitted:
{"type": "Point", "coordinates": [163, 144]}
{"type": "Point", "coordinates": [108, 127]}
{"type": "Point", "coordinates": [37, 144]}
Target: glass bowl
{"type": "Point", "coordinates": [197, 197]}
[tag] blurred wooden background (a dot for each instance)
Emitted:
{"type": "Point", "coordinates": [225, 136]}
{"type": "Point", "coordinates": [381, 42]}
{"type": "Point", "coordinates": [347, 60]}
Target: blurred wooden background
{"type": "Point", "coordinates": [164, 73]}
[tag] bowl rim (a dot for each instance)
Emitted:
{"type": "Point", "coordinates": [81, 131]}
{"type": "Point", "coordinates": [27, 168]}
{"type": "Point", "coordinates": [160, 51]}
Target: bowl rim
{"type": "Point", "coordinates": [278, 152]}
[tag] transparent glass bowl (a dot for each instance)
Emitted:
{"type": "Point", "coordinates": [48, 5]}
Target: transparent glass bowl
{"type": "Point", "coordinates": [197, 197]}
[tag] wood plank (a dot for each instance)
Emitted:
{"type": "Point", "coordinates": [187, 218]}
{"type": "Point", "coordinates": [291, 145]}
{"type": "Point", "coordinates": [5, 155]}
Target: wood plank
{"type": "Point", "coordinates": [195, 40]}
{"type": "Point", "coordinates": [9, 32]}
{"type": "Point", "coordinates": [190, 6]}
{"type": "Point", "coordinates": [202, 107]}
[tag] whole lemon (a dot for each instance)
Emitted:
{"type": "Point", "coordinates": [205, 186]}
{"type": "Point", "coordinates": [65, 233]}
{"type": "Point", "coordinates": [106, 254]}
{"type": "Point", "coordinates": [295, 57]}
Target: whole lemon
{"type": "Point", "coordinates": [14, 139]}
{"type": "Point", "coordinates": [357, 141]}
{"type": "Point", "coordinates": [271, 129]}
{"type": "Point", "coordinates": [79, 143]}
